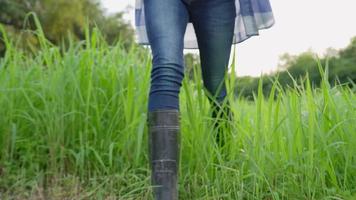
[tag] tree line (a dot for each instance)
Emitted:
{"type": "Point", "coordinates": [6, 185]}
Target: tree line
{"type": "Point", "coordinates": [339, 64]}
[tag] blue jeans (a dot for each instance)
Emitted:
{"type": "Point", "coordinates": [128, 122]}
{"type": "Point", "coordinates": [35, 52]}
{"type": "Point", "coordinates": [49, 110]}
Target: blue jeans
{"type": "Point", "coordinates": [166, 22]}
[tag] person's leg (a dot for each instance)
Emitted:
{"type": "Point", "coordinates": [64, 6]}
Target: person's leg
{"type": "Point", "coordinates": [214, 22]}
{"type": "Point", "coordinates": [166, 22]}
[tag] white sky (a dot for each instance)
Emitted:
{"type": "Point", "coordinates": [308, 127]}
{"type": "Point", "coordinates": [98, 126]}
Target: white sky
{"type": "Point", "coordinates": [300, 25]}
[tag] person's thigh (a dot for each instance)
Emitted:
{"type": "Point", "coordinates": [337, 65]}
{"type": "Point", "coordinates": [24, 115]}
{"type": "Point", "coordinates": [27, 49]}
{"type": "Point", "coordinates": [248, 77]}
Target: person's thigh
{"type": "Point", "coordinates": [214, 21]}
{"type": "Point", "coordinates": [166, 22]}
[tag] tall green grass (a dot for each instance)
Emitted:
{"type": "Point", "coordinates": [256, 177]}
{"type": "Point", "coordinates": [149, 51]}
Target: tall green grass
{"type": "Point", "coordinates": [73, 126]}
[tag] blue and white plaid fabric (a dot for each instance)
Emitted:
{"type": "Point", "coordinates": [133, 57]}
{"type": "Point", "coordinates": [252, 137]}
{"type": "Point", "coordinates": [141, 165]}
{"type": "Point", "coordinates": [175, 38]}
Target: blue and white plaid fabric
{"type": "Point", "coordinates": [251, 16]}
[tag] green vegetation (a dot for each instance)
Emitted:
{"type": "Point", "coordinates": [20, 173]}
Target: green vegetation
{"type": "Point", "coordinates": [60, 19]}
{"type": "Point", "coordinates": [73, 126]}
{"type": "Point", "coordinates": [341, 65]}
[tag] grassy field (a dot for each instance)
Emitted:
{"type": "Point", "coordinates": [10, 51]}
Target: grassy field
{"type": "Point", "coordinates": [73, 126]}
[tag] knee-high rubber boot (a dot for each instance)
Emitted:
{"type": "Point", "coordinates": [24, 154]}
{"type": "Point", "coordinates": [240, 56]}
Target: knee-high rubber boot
{"type": "Point", "coordinates": [164, 146]}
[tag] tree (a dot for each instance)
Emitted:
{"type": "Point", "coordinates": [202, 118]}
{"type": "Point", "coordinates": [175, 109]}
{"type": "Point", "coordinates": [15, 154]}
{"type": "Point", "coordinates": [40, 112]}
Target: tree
{"type": "Point", "coordinates": [62, 17]}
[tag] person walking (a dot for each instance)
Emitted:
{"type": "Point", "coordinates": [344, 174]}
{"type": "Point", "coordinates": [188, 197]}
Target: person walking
{"type": "Point", "coordinates": [169, 27]}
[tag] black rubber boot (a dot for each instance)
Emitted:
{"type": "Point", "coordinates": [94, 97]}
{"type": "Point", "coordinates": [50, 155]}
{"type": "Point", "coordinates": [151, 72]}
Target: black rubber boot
{"type": "Point", "coordinates": [164, 145]}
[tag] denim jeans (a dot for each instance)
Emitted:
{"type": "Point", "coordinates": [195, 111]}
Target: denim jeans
{"type": "Point", "coordinates": [166, 22]}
